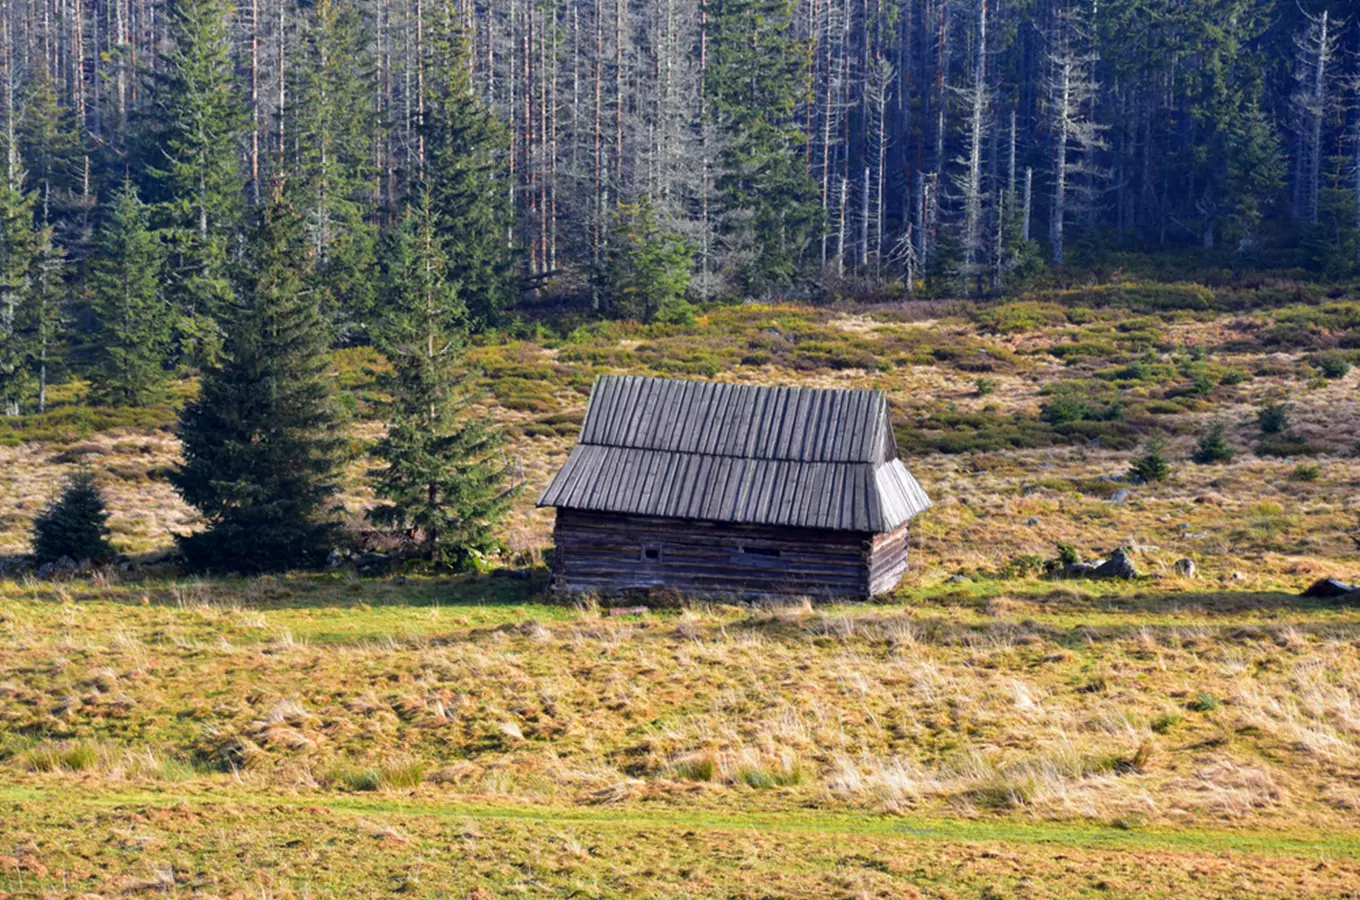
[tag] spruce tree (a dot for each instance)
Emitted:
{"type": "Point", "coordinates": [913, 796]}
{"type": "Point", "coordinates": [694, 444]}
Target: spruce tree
{"type": "Point", "coordinates": [647, 268]}
{"type": "Point", "coordinates": [1152, 465]}
{"type": "Point", "coordinates": [443, 482]}
{"type": "Point", "coordinates": [43, 316]}
{"type": "Point", "coordinates": [51, 145]}
{"type": "Point", "coordinates": [75, 525]}
{"type": "Point", "coordinates": [465, 176]}
{"type": "Point", "coordinates": [262, 446]}
{"type": "Point", "coordinates": [20, 245]}
{"type": "Point", "coordinates": [756, 79]}
{"type": "Point", "coordinates": [1213, 447]}
{"type": "Point", "coordinates": [336, 178]}
{"type": "Point", "coordinates": [134, 324]}
{"type": "Point", "coordinates": [193, 129]}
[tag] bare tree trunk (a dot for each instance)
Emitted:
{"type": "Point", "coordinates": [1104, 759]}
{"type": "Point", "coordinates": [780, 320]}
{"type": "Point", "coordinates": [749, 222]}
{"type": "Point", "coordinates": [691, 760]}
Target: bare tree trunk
{"type": "Point", "coordinates": [420, 88]}
{"type": "Point", "coordinates": [255, 100]}
{"type": "Point", "coordinates": [1063, 105]}
{"type": "Point", "coordinates": [618, 98]}
{"type": "Point", "coordinates": [120, 70]}
{"type": "Point", "coordinates": [1029, 200]}
{"type": "Point", "coordinates": [9, 79]}
{"type": "Point", "coordinates": [1318, 44]}
{"type": "Point", "coordinates": [283, 83]}
{"type": "Point", "coordinates": [1010, 164]}
{"type": "Point", "coordinates": [552, 68]}
{"type": "Point", "coordinates": [977, 126]}
{"type": "Point", "coordinates": [864, 223]}
{"type": "Point", "coordinates": [597, 223]}
{"type": "Point", "coordinates": [840, 231]}
{"type": "Point", "coordinates": [78, 45]}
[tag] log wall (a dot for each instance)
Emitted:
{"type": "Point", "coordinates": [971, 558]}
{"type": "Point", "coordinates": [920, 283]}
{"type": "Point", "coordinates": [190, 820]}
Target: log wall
{"type": "Point", "coordinates": [610, 554]}
{"type": "Point", "coordinates": [888, 558]}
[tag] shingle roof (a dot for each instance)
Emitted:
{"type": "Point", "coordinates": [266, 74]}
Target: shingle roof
{"type": "Point", "coordinates": [799, 457]}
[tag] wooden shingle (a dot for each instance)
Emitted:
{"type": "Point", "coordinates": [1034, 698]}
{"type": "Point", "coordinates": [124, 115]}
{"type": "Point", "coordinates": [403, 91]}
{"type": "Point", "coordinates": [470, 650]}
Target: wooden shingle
{"type": "Point", "coordinates": [798, 457]}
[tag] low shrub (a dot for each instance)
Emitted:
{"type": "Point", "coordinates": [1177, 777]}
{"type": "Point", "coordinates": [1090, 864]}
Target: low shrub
{"type": "Point", "coordinates": [696, 768]}
{"type": "Point", "coordinates": [1021, 316]}
{"type": "Point", "coordinates": [76, 525]}
{"type": "Point", "coordinates": [1213, 447]}
{"type": "Point", "coordinates": [769, 777]}
{"type": "Point", "coordinates": [1152, 465]}
{"type": "Point", "coordinates": [1306, 472]}
{"type": "Point", "coordinates": [1273, 419]}
{"type": "Point", "coordinates": [1203, 702]}
{"type": "Point", "coordinates": [1331, 365]}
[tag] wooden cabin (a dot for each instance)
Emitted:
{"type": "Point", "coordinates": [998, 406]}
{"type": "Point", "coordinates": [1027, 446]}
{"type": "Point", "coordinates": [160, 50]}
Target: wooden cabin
{"type": "Point", "coordinates": [732, 490]}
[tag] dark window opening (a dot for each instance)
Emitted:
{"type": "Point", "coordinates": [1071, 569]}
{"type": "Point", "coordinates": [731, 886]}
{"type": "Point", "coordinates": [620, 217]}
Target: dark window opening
{"type": "Point", "coordinates": [653, 553]}
{"type": "Point", "coordinates": [760, 551]}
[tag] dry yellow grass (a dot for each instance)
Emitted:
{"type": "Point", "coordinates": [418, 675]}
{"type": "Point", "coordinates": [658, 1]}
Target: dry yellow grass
{"type": "Point", "coordinates": [992, 736]}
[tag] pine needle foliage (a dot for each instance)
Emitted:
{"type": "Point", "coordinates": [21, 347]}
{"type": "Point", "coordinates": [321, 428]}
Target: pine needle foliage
{"type": "Point", "coordinates": [1213, 447]}
{"type": "Point", "coordinates": [262, 443]}
{"type": "Point", "coordinates": [190, 149]}
{"type": "Point", "coordinates": [443, 481]}
{"type": "Point", "coordinates": [464, 174]}
{"type": "Point", "coordinates": [1152, 464]}
{"type": "Point", "coordinates": [135, 323]}
{"type": "Point", "coordinates": [20, 245]}
{"type": "Point", "coordinates": [75, 525]}
{"type": "Point", "coordinates": [647, 268]}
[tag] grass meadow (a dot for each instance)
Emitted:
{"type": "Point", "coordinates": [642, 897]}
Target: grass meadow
{"type": "Point", "coordinates": [984, 732]}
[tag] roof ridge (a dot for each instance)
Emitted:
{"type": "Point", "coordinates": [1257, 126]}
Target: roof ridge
{"type": "Point", "coordinates": [737, 420]}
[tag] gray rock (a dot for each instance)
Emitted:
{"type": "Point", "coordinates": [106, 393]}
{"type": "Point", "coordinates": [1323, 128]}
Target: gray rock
{"type": "Point", "coordinates": [956, 579]}
{"type": "Point", "coordinates": [1328, 587]}
{"type": "Point", "coordinates": [1185, 567]}
{"type": "Point", "coordinates": [1119, 565]}
{"type": "Point", "coordinates": [1120, 495]}
{"type": "Point", "coordinates": [1032, 521]}
{"type": "Point", "coordinates": [337, 558]}
{"type": "Point", "coordinates": [1082, 569]}
{"type": "Point", "coordinates": [62, 566]}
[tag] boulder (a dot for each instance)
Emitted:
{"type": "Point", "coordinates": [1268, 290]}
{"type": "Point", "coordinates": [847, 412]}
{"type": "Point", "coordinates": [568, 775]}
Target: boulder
{"type": "Point", "coordinates": [1185, 567]}
{"type": "Point", "coordinates": [1032, 521]}
{"type": "Point", "coordinates": [1120, 495]}
{"type": "Point", "coordinates": [1119, 565]}
{"type": "Point", "coordinates": [61, 567]}
{"type": "Point", "coordinates": [1082, 569]}
{"type": "Point", "coordinates": [337, 558]}
{"type": "Point", "coordinates": [1328, 587]}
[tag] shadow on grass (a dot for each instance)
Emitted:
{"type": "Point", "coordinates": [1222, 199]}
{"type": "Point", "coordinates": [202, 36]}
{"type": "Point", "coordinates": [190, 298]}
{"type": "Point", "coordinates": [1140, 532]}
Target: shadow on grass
{"type": "Point", "coordinates": [301, 590]}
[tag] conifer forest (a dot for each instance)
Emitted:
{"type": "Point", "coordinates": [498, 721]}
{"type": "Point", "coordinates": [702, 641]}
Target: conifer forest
{"type": "Point", "coordinates": [785, 148]}
{"type": "Point", "coordinates": [680, 448]}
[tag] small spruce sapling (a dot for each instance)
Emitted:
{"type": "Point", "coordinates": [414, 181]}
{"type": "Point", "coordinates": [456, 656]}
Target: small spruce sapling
{"type": "Point", "coordinates": [75, 525]}
{"type": "Point", "coordinates": [1152, 465]}
{"type": "Point", "coordinates": [1273, 419]}
{"type": "Point", "coordinates": [1213, 447]}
